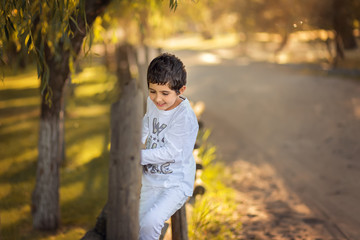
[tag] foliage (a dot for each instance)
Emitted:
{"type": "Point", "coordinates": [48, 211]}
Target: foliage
{"type": "Point", "coordinates": [30, 24]}
{"type": "Point", "coordinates": [134, 22]}
{"type": "Point", "coordinates": [38, 26]}
{"type": "Point", "coordinates": [47, 27]}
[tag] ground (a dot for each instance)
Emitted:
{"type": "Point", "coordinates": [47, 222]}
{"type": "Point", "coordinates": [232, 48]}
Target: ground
{"type": "Point", "coordinates": [269, 211]}
{"type": "Point", "coordinates": [289, 134]}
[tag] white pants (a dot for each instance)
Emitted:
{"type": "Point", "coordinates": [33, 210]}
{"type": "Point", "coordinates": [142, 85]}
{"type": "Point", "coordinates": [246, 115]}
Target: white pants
{"type": "Point", "coordinates": [156, 206]}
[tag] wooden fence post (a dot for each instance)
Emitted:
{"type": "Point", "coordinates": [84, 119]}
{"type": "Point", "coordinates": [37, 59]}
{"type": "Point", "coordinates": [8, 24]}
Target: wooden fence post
{"type": "Point", "coordinates": [119, 218]}
{"type": "Point", "coordinates": [179, 225]}
{"type": "Point", "coordinates": [124, 166]}
{"type": "Point", "coordinates": [179, 230]}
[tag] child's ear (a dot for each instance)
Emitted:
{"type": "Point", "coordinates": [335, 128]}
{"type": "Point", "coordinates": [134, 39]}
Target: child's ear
{"type": "Point", "coordinates": [182, 89]}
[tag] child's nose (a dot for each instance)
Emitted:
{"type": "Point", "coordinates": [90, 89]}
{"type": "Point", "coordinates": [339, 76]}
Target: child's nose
{"type": "Point", "coordinates": [158, 97]}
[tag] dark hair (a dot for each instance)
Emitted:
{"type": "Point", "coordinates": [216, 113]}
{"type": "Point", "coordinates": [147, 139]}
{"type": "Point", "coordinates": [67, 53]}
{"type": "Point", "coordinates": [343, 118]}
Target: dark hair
{"type": "Point", "coordinates": [167, 69]}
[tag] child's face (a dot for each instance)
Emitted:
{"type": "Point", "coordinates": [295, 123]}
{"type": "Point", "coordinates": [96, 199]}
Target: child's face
{"type": "Point", "coordinates": [163, 97]}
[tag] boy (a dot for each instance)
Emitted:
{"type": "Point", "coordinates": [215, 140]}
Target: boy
{"type": "Point", "coordinates": [169, 131]}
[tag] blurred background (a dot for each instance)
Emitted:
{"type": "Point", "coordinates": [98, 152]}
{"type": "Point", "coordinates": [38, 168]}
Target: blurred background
{"type": "Point", "coordinates": [278, 82]}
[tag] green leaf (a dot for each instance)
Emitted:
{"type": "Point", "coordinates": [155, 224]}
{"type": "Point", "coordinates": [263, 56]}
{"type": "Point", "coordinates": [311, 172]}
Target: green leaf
{"type": "Point", "coordinates": [91, 38]}
{"type": "Point", "coordinates": [43, 88]}
{"type": "Point", "coordinates": [42, 49]}
{"type": "Point", "coordinates": [27, 37]}
{"type": "Point", "coordinates": [76, 24]}
{"type": "Point", "coordinates": [48, 96]}
{"type": "Point", "coordinates": [70, 34]}
{"type": "Point", "coordinates": [11, 24]}
{"type": "Point", "coordinates": [6, 33]}
{"type": "Point", "coordinates": [40, 59]}
{"type": "Point", "coordinates": [29, 41]}
{"type": "Point", "coordinates": [173, 4]}
{"type": "Point", "coordinates": [45, 78]}
{"type": "Point", "coordinates": [38, 69]}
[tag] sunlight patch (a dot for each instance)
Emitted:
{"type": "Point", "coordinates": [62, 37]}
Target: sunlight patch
{"type": "Point", "coordinates": [91, 90]}
{"type": "Point", "coordinates": [356, 106]}
{"type": "Point", "coordinates": [14, 215]}
{"type": "Point", "coordinates": [71, 191]}
{"type": "Point", "coordinates": [74, 233]}
{"type": "Point", "coordinates": [93, 111]}
{"type": "Point", "coordinates": [85, 151]}
{"type": "Point", "coordinates": [5, 189]}
{"type": "Point", "coordinates": [209, 58]}
{"type": "Point", "coordinates": [20, 102]}
{"type": "Point", "coordinates": [20, 117]}
{"type": "Point", "coordinates": [5, 165]}
{"type": "Point", "coordinates": [19, 126]}
{"type": "Point", "coordinates": [21, 81]}
{"type": "Point", "coordinates": [15, 164]}
{"type": "Point", "coordinates": [90, 74]}
{"type": "Point", "coordinates": [282, 58]}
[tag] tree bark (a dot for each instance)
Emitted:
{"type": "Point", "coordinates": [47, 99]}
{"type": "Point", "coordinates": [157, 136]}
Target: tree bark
{"type": "Point", "coordinates": [142, 63]}
{"type": "Point", "coordinates": [125, 168]}
{"type": "Point", "coordinates": [343, 23]}
{"type": "Point", "coordinates": [119, 218]}
{"type": "Point", "coordinates": [45, 197]}
{"type": "Point", "coordinates": [283, 43]}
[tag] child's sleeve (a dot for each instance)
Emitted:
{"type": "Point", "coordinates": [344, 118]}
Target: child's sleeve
{"type": "Point", "coordinates": [145, 128]}
{"type": "Point", "coordinates": [179, 140]}
{"type": "Point", "coordinates": [145, 124]}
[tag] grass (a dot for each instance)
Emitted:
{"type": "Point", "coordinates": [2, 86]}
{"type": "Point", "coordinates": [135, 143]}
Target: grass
{"type": "Point", "coordinates": [213, 215]}
{"type": "Point", "coordinates": [84, 174]}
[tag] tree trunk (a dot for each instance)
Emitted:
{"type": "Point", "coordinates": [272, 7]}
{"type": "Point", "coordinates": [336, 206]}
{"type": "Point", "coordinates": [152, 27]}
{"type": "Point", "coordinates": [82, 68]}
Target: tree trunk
{"type": "Point", "coordinates": [339, 50]}
{"type": "Point", "coordinates": [343, 23]}
{"type": "Point", "coordinates": [119, 218]}
{"type": "Point", "coordinates": [283, 43]}
{"type": "Point", "coordinates": [125, 168]}
{"type": "Point", "coordinates": [142, 63]}
{"type": "Point", "coordinates": [45, 197]}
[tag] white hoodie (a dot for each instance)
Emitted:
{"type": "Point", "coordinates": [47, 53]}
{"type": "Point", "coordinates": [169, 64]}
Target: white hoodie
{"type": "Point", "coordinates": [170, 138]}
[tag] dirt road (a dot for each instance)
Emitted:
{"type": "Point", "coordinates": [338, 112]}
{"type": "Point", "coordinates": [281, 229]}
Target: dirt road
{"type": "Point", "coordinates": [296, 131]}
